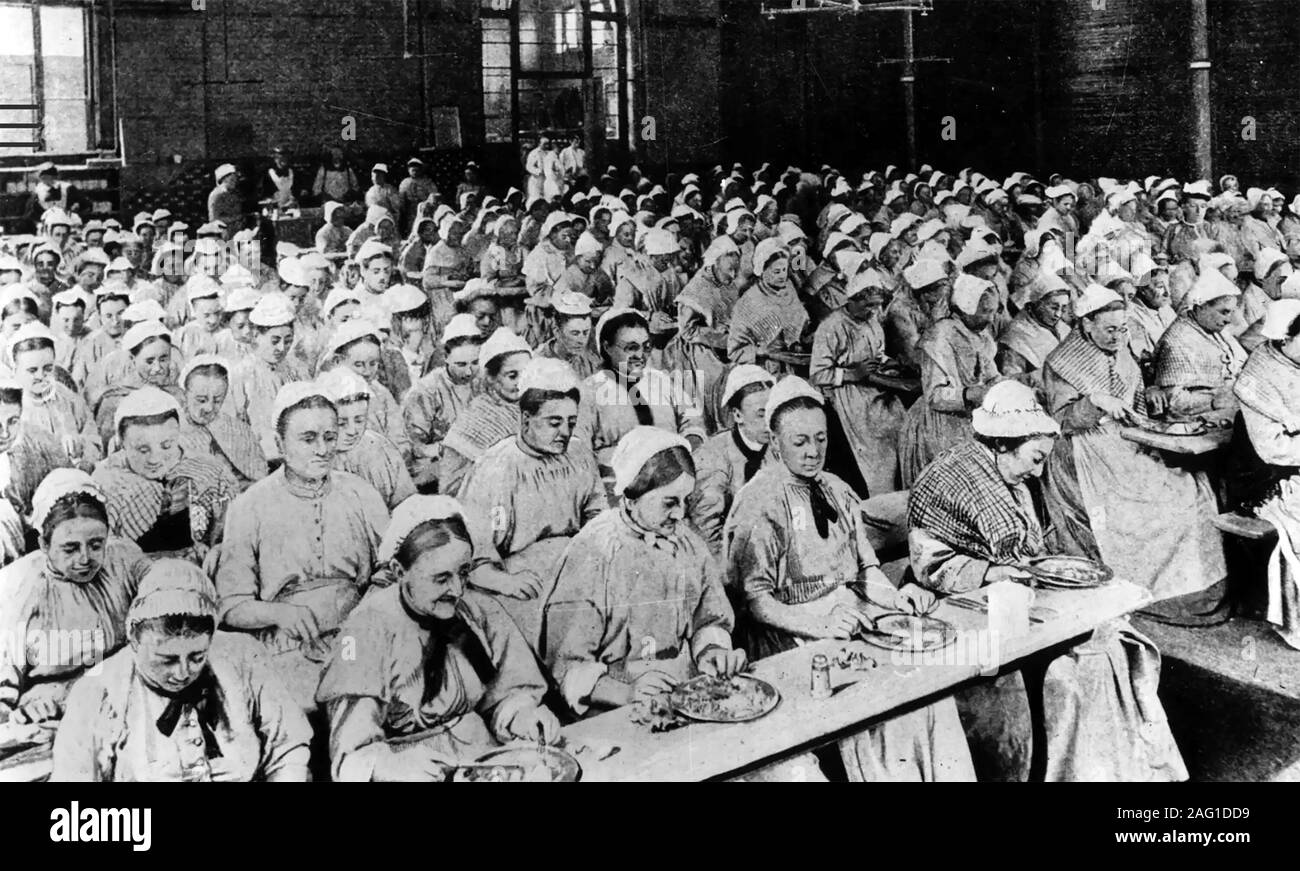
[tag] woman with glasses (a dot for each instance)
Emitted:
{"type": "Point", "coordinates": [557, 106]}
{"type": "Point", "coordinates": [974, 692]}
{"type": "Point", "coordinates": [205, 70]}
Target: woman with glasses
{"type": "Point", "coordinates": [1112, 500]}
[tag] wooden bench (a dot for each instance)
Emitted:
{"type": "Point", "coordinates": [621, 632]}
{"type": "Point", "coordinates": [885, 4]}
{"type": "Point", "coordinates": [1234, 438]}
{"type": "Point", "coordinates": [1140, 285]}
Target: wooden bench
{"type": "Point", "coordinates": [1244, 527]}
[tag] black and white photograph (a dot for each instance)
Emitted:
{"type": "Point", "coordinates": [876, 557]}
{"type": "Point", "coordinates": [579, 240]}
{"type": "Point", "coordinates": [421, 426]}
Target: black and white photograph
{"type": "Point", "coordinates": [651, 391]}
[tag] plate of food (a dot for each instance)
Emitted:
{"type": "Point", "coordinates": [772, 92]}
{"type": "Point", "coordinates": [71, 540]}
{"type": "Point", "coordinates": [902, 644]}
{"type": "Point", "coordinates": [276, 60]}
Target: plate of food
{"type": "Point", "coordinates": [1069, 572]}
{"type": "Point", "coordinates": [736, 699]}
{"type": "Point", "coordinates": [913, 633]}
{"type": "Point", "coordinates": [1174, 427]}
{"type": "Point", "coordinates": [537, 763]}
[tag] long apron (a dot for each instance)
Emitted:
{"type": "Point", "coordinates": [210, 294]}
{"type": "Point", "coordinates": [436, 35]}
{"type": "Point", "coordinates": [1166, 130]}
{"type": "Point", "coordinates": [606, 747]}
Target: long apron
{"type": "Point", "coordinates": [872, 420]}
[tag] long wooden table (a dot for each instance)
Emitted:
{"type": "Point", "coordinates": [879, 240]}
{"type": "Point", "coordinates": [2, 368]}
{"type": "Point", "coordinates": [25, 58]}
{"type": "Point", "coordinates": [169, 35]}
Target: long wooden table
{"type": "Point", "coordinates": [1190, 445]}
{"type": "Point", "coordinates": [705, 750]}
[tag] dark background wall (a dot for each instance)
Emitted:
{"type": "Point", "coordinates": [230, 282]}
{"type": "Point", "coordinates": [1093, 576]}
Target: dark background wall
{"type": "Point", "coordinates": [1029, 84]}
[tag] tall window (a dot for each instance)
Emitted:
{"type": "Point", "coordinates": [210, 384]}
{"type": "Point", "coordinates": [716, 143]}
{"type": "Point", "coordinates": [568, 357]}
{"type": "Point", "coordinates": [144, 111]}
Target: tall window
{"type": "Point", "coordinates": [552, 65]}
{"type": "Point", "coordinates": [44, 93]}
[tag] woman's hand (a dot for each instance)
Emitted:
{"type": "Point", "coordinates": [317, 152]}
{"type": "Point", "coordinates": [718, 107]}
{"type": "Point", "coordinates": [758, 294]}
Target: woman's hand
{"type": "Point", "coordinates": [299, 621]}
{"type": "Point", "coordinates": [1006, 573]}
{"type": "Point", "coordinates": [841, 622]}
{"type": "Point", "coordinates": [914, 599]}
{"type": "Point", "coordinates": [1112, 406]}
{"type": "Point", "coordinates": [649, 685]}
{"type": "Point", "coordinates": [72, 446]}
{"type": "Point", "coordinates": [720, 662]}
{"type": "Point", "coordinates": [37, 710]}
{"type": "Point", "coordinates": [414, 763]}
{"type": "Point", "coordinates": [527, 725]}
{"type": "Point", "coordinates": [516, 585]}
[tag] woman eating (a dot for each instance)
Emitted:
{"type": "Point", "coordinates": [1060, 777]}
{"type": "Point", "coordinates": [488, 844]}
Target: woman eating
{"type": "Point", "coordinates": [639, 603]}
{"type": "Point", "coordinates": [768, 316]}
{"type": "Point", "coordinates": [77, 586]}
{"type": "Point", "coordinates": [47, 403]}
{"type": "Point", "coordinates": [183, 703]}
{"type": "Point", "coordinates": [299, 545]}
{"type": "Point", "coordinates": [162, 499]}
{"type": "Point", "coordinates": [1113, 501]}
{"type": "Point", "coordinates": [209, 433]}
{"type": "Point", "coordinates": [437, 665]}
{"type": "Point", "coordinates": [808, 581]}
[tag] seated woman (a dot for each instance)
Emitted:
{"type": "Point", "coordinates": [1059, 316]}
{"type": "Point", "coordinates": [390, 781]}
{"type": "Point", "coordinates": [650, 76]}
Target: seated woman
{"type": "Point", "coordinates": [918, 304]}
{"type": "Point", "coordinates": [256, 380]}
{"type": "Point", "coordinates": [812, 581]}
{"type": "Point", "coordinates": [183, 702]}
{"type": "Point", "coordinates": [437, 399]}
{"type": "Point", "coordinates": [299, 545]}
{"type": "Point", "coordinates": [847, 351]}
{"type": "Point", "coordinates": [47, 404]}
{"type": "Point", "coordinates": [413, 329]}
{"type": "Point", "coordinates": [528, 495]}
{"type": "Point", "coordinates": [1264, 458]}
{"type": "Point", "coordinates": [973, 519]}
{"type": "Point", "coordinates": [958, 365]}
{"type": "Point", "coordinates": [63, 607]}
{"type": "Point", "coordinates": [1113, 501]}
{"type": "Point", "coordinates": [768, 316]}
{"type": "Point", "coordinates": [1036, 329]}
{"type": "Point", "coordinates": [149, 346]}
{"type": "Point", "coordinates": [492, 415]}
{"type": "Point", "coordinates": [364, 453]}
{"type": "Point", "coordinates": [27, 456]}
{"type": "Point", "coordinates": [357, 346]}
{"type": "Point", "coordinates": [1197, 361]}
{"type": "Point", "coordinates": [208, 433]}
{"type": "Point", "coordinates": [159, 497]}
{"type": "Point", "coordinates": [639, 603]}
{"type": "Point", "coordinates": [433, 661]}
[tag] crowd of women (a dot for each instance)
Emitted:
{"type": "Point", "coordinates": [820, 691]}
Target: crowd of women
{"type": "Point", "coordinates": [373, 509]}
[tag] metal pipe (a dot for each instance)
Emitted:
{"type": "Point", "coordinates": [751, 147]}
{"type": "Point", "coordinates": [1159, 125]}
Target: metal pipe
{"type": "Point", "coordinates": [1202, 140]}
{"type": "Point", "coordinates": [908, 78]}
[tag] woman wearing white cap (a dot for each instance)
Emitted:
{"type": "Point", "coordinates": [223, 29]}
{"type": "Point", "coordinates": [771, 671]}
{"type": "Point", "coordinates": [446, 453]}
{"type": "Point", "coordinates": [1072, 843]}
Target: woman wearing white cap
{"type": "Point", "coordinates": [492, 415]}
{"type": "Point", "coordinates": [146, 359]}
{"type": "Point", "coordinates": [358, 346]}
{"type": "Point", "coordinates": [71, 337]}
{"type": "Point", "coordinates": [410, 262]}
{"type": "Point", "coordinates": [639, 603]}
{"type": "Point", "coordinates": [728, 460]}
{"type": "Point", "coordinates": [435, 400]}
{"type": "Point", "coordinates": [814, 580]}
{"type": "Point", "coordinates": [448, 265]}
{"type": "Point", "coordinates": [199, 333]}
{"type": "Point", "coordinates": [1112, 500]}
{"type": "Point", "coordinates": [361, 451]}
{"type": "Point", "coordinates": [209, 433]}
{"type": "Point", "coordinates": [77, 585]}
{"type": "Point", "coordinates": [503, 261]}
{"type": "Point", "coordinates": [973, 521]}
{"type": "Point", "coordinates": [769, 316]}
{"type": "Point", "coordinates": [1197, 361]}
{"type": "Point", "coordinates": [921, 300]}
{"type": "Point", "coordinates": [1265, 456]}
{"type": "Point", "coordinates": [1036, 330]}
{"type": "Point", "coordinates": [572, 342]}
{"type": "Point", "coordinates": [47, 403]}
{"type": "Point", "coordinates": [256, 379]}
{"type": "Point", "coordinates": [1150, 314]}
{"type": "Point", "coordinates": [584, 274]}
{"type": "Point", "coordinates": [847, 349]}
{"type": "Point", "coordinates": [529, 494]}
{"type": "Point", "coordinates": [235, 338]}
{"type": "Point", "coordinates": [183, 702]}
{"type": "Point", "coordinates": [622, 243]}
{"type": "Point", "coordinates": [300, 544]}
{"type": "Point", "coordinates": [958, 365]}
{"type": "Point", "coordinates": [378, 226]}
{"type": "Point", "coordinates": [433, 660]}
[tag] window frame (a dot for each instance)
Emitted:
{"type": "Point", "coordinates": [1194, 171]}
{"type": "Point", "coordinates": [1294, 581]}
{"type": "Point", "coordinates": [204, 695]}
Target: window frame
{"type": "Point", "coordinates": [37, 140]}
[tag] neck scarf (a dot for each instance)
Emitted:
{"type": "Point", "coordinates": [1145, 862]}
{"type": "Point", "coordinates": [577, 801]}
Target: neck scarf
{"type": "Point", "coordinates": [443, 634]}
{"type": "Point", "coordinates": [824, 513]}
{"type": "Point", "coordinates": [753, 458]}
{"type": "Point", "coordinates": [202, 696]}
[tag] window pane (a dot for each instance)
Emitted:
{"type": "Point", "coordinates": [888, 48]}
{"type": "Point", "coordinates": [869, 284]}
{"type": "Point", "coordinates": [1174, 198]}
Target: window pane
{"type": "Point", "coordinates": [604, 45]}
{"type": "Point", "coordinates": [497, 128]}
{"type": "Point", "coordinates": [63, 53]}
{"type": "Point", "coordinates": [551, 36]}
{"type": "Point", "coordinates": [550, 104]}
{"type": "Point", "coordinates": [496, 5]}
{"type": "Point", "coordinates": [17, 76]}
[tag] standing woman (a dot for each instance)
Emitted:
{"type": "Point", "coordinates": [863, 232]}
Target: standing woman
{"type": "Point", "coordinates": [846, 351]}
{"type": "Point", "coordinates": [802, 581]}
{"type": "Point", "coordinates": [492, 415]}
{"type": "Point", "coordinates": [958, 365]}
{"type": "Point", "coordinates": [209, 433]}
{"type": "Point", "coordinates": [257, 379]}
{"type": "Point", "coordinates": [48, 404]}
{"type": "Point", "coordinates": [158, 497]}
{"type": "Point", "coordinates": [77, 585]}
{"type": "Point", "coordinates": [1113, 501]}
{"type": "Point", "coordinates": [182, 703]}
{"type": "Point", "coordinates": [431, 659]}
{"type": "Point", "coordinates": [299, 544]}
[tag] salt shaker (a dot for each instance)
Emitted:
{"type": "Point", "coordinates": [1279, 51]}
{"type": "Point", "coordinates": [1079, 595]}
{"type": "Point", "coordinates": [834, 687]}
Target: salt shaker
{"type": "Point", "coordinates": [821, 677]}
